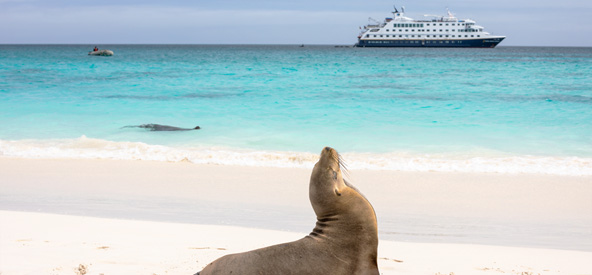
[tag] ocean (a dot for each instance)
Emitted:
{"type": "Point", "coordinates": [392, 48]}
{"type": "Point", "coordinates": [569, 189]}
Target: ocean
{"type": "Point", "coordinates": [501, 110]}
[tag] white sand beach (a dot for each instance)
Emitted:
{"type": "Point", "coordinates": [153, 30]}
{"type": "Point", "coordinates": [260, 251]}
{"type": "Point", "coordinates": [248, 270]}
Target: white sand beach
{"type": "Point", "coordinates": [142, 217]}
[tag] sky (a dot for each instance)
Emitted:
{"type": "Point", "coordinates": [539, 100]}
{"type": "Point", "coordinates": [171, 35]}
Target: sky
{"type": "Point", "coordinates": [524, 22]}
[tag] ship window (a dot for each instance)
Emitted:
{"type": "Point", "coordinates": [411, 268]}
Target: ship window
{"type": "Point", "coordinates": [446, 29]}
{"type": "Point", "coordinates": [413, 36]}
{"type": "Point", "coordinates": [428, 24]}
{"type": "Point", "coordinates": [478, 35]}
{"type": "Point", "coordinates": [381, 35]}
{"type": "Point", "coordinates": [440, 35]}
{"type": "Point", "coordinates": [400, 35]}
{"type": "Point", "coordinates": [400, 30]}
{"type": "Point", "coordinates": [446, 24]}
{"type": "Point", "coordinates": [422, 25]}
{"type": "Point", "coordinates": [440, 29]}
{"type": "Point", "coordinates": [446, 35]}
{"type": "Point", "coordinates": [413, 30]}
{"type": "Point", "coordinates": [472, 35]}
{"type": "Point", "coordinates": [453, 24]}
{"type": "Point", "coordinates": [452, 29]}
{"type": "Point", "coordinates": [453, 36]}
{"type": "Point", "coordinates": [375, 35]}
{"type": "Point", "coordinates": [440, 24]}
{"type": "Point", "coordinates": [406, 30]}
{"type": "Point", "coordinates": [367, 35]}
{"type": "Point", "coordinates": [387, 30]}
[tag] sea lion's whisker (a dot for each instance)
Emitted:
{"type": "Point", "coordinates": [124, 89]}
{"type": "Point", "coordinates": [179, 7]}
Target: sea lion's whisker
{"type": "Point", "coordinates": [343, 166]}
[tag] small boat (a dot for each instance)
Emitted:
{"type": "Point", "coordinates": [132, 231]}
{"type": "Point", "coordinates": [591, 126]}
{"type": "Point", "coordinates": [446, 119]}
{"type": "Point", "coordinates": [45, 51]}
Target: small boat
{"type": "Point", "coordinates": [101, 53]}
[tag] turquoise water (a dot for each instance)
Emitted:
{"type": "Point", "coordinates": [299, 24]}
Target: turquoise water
{"type": "Point", "coordinates": [508, 109]}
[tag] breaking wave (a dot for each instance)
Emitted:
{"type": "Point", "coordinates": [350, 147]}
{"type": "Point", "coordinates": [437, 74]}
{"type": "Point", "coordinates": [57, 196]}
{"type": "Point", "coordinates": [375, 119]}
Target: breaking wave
{"type": "Point", "coordinates": [90, 148]}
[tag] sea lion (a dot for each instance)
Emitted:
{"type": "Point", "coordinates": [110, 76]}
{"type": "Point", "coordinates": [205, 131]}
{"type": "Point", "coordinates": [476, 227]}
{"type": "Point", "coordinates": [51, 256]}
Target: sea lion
{"type": "Point", "coordinates": [158, 127]}
{"type": "Point", "coordinates": [344, 240]}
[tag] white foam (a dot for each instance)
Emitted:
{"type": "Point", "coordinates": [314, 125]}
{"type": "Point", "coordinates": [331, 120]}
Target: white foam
{"type": "Point", "coordinates": [89, 148]}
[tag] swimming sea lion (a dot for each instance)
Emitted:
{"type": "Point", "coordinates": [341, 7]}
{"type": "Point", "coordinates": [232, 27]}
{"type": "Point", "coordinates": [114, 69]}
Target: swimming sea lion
{"type": "Point", "coordinates": [344, 240]}
{"type": "Point", "coordinates": [158, 127]}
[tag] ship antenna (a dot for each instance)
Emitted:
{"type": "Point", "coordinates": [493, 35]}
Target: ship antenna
{"type": "Point", "coordinates": [395, 6]}
{"type": "Point", "coordinates": [402, 9]}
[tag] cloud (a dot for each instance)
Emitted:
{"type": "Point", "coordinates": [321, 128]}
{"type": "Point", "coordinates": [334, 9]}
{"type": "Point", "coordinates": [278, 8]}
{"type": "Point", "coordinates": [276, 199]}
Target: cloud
{"type": "Point", "coordinates": [153, 24]}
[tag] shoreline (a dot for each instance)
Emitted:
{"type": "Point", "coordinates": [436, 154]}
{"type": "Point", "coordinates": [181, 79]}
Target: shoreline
{"type": "Point", "coordinates": [541, 211]}
{"type": "Point", "coordinates": [107, 216]}
{"type": "Point", "coordinates": [83, 245]}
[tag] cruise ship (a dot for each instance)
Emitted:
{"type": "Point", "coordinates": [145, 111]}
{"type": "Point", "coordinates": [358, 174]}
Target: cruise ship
{"type": "Point", "coordinates": [440, 31]}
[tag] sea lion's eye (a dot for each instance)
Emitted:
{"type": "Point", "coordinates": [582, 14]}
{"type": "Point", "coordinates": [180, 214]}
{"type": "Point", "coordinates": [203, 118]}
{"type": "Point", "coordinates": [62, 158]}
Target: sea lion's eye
{"type": "Point", "coordinates": [334, 175]}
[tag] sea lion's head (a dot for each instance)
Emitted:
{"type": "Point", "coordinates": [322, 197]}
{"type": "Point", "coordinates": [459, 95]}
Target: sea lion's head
{"type": "Point", "coordinates": [326, 182]}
